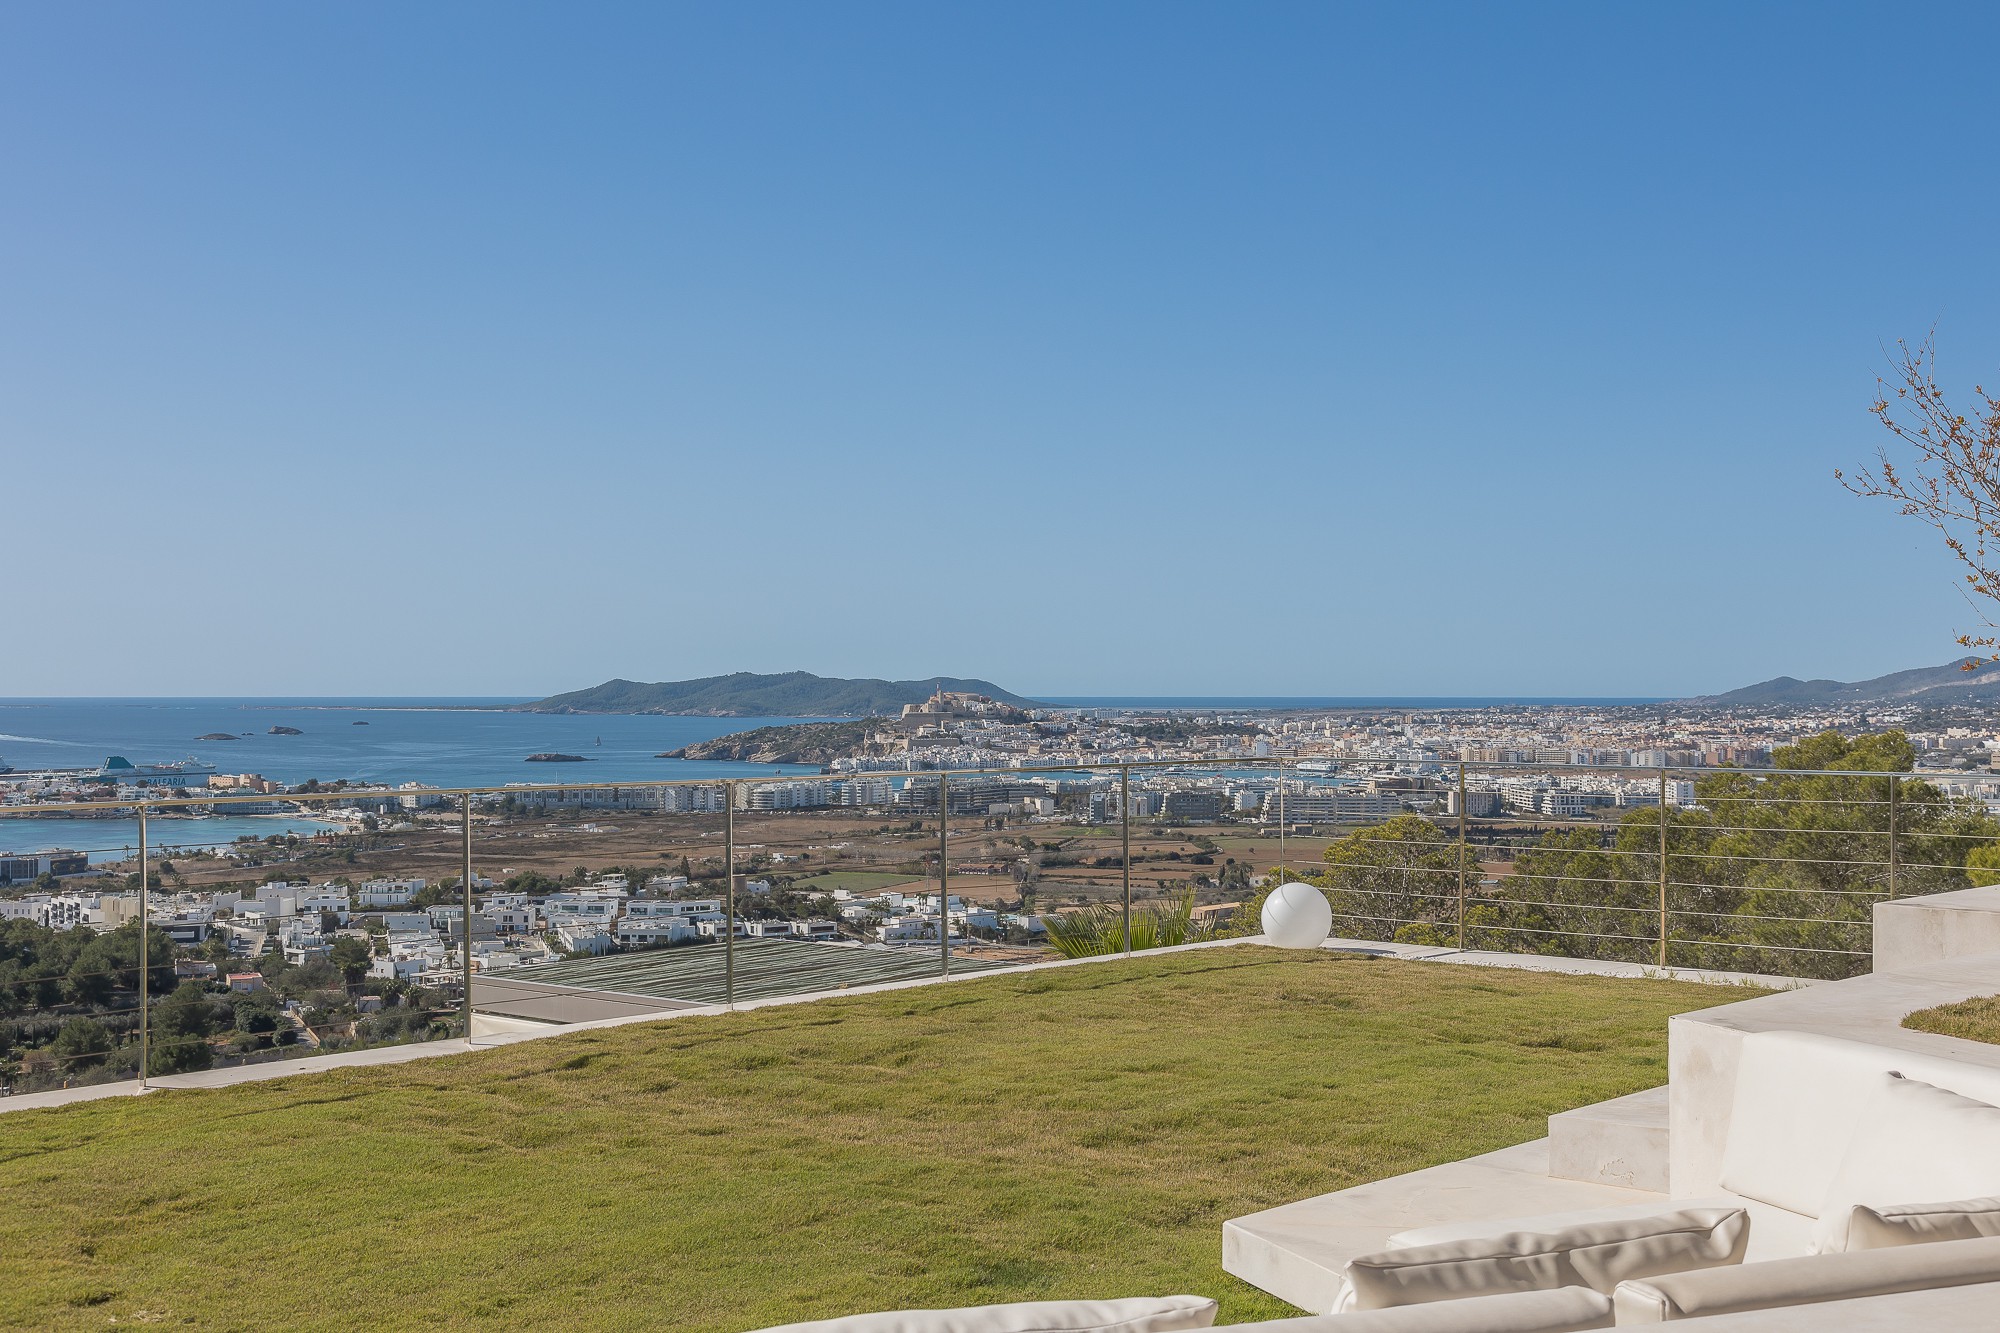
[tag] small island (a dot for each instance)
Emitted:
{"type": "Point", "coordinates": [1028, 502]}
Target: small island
{"type": "Point", "coordinates": [552, 758]}
{"type": "Point", "coordinates": [285, 731]}
{"type": "Point", "coordinates": [216, 736]}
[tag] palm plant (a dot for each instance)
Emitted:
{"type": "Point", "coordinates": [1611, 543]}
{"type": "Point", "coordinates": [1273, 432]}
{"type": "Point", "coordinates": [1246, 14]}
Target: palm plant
{"type": "Point", "coordinates": [1100, 929]}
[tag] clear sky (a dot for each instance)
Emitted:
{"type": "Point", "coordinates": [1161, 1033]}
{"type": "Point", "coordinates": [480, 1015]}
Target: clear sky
{"type": "Point", "coordinates": [1090, 348]}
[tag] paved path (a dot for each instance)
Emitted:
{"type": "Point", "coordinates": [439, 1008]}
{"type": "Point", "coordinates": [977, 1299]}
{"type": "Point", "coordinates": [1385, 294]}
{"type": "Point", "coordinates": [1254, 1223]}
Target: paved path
{"type": "Point", "coordinates": [1580, 967]}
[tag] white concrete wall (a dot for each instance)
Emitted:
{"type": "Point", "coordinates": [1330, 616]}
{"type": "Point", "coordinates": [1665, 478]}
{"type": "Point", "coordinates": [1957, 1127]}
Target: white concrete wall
{"type": "Point", "coordinates": [1915, 932]}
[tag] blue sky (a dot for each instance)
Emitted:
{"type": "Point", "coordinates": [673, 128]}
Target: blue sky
{"type": "Point", "coordinates": [1093, 349]}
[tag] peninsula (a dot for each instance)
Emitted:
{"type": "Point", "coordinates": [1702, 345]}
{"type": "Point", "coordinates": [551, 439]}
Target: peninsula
{"type": "Point", "coordinates": [800, 743]}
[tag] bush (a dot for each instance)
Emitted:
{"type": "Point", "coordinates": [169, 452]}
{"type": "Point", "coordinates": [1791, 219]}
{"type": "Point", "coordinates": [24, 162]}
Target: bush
{"type": "Point", "coordinates": [83, 1042]}
{"type": "Point", "coordinates": [179, 1055]}
{"type": "Point", "coordinates": [1101, 929]}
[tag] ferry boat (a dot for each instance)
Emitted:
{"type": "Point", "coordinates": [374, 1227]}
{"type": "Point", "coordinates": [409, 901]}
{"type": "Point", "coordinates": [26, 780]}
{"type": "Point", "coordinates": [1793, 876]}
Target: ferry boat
{"type": "Point", "coordinates": [187, 773]}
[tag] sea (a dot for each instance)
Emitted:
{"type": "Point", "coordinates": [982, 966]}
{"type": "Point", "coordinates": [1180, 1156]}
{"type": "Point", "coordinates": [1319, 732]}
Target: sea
{"type": "Point", "coordinates": [449, 742]}
{"type": "Point", "coordinates": [437, 742]}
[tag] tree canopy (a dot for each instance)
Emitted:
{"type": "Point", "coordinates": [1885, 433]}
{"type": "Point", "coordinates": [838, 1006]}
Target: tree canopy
{"type": "Point", "coordinates": [1767, 871]}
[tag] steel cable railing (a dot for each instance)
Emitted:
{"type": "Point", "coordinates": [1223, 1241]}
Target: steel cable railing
{"type": "Point", "coordinates": [1737, 871]}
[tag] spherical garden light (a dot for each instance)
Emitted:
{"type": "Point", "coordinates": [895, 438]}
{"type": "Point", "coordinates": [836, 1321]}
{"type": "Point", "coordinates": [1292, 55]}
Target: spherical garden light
{"type": "Point", "coordinates": [1297, 916]}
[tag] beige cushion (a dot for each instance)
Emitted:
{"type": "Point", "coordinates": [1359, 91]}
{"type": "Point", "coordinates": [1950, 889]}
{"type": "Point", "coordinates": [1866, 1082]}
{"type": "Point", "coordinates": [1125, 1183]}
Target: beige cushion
{"type": "Point", "coordinates": [1792, 1116]}
{"type": "Point", "coordinates": [1439, 1233]}
{"type": "Point", "coordinates": [1806, 1281]}
{"type": "Point", "coordinates": [1915, 1141]}
{"type": "Point", "coordinates": [1557, 1311]}
{"type": "Point", "coordinates": [1774, 1233]}
{"type": "Point", "coordinates": [1864, 1227]}
{"type": "Point", "coordinates": [1598, 1255]}
{"type": "Point", "coordinates": [1145, 1314]}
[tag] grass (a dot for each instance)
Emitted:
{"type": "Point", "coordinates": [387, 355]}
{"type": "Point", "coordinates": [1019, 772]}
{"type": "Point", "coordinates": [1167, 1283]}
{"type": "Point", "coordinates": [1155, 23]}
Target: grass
{"type": "Point", "coordinates": [1976, 1019]}
{"type": "Point", "coordinates": [1077, 1132]}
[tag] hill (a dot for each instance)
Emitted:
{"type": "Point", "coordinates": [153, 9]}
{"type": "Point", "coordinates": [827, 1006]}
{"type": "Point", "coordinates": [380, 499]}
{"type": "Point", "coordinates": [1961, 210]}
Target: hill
{"type": "Point", "coordinates": [746, 694]}
{"type": "Point", "coordinates": [801, 743]}
{"type": "Point", "coordinates": [1947, 684]}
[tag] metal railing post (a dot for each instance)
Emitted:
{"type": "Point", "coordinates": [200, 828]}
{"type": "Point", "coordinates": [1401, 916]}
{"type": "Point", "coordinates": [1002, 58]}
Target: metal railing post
{"type": "Point", "coordinates": [944, 873]}
{"type": "Point", "coordinates": [1663, 867]}
{"type": "Point", "coordinates": [1284, 865]}
{"type": "Point", "coordinates": [729, 893]}
{"type": "Point", "coordinates": [145, 968]}
{"type": "Point", "coordinates": [1461, 854]}
{"type": "Point", "coordinates": [1125, 845]}
{"type": "Point", "coordinates": [1895, 785]}
{"type": "Point", "coordinates": [465, 944]}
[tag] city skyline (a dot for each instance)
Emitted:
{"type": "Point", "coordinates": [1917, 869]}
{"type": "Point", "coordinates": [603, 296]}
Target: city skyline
{"type": "Point", "coordinates": [494, 351]}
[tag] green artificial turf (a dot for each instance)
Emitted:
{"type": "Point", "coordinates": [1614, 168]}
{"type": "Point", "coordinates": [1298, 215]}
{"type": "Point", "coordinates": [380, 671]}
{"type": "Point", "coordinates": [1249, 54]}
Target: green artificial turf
{"type": "Point", "coordinates": [1076, 1132]}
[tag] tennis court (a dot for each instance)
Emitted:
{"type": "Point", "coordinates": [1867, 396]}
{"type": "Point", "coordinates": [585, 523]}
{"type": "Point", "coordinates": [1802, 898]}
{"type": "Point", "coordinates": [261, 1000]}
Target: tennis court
{"type": "Point", "coordinates": [697, 974]}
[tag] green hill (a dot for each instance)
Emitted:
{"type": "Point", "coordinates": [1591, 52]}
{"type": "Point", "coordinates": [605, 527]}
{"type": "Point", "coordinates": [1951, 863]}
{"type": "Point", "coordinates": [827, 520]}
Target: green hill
{"type": "Point", "coordinates": [746, 694]}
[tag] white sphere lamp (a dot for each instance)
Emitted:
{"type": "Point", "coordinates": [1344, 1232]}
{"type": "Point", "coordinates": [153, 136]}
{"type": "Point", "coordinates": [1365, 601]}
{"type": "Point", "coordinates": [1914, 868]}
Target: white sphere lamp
{"type": "Point", "coordinates": [1297, 916]}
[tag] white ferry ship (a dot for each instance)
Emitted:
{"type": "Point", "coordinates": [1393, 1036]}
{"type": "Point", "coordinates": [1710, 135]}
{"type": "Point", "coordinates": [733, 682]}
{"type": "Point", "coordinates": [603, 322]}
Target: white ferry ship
{"type": "Point", "coordinates": [187, 773]}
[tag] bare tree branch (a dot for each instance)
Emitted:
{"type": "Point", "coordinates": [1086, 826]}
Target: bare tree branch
{"type": "Point", "coordinates": [1952, 479]}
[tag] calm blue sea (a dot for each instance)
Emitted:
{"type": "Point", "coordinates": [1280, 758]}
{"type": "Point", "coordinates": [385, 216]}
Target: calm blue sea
{"type": "Point", "coordinates": [117, 839]}
{"type": "Point", "coordinates": [438, 742]}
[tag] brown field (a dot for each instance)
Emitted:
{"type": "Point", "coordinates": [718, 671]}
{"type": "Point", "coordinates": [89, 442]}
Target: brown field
{"type": "Point", "coordinates": [1081, 862]}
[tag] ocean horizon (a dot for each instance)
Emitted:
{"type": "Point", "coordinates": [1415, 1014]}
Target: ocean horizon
{"type": "Point", "coordinates": [438, 741]}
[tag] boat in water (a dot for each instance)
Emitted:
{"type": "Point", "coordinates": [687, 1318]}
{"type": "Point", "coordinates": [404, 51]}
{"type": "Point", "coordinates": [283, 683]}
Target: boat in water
{"type": "Point", "coordinates": [188, 772]}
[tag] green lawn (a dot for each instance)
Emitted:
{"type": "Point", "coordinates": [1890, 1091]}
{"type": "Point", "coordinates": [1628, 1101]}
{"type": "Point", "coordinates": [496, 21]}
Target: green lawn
{"type": "Point", "coordinates": [1976, 1019]}
{"type": "Point", "coordinates": [1076, 1132]}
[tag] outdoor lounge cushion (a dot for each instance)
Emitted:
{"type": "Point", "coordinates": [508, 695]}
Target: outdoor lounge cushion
{"type": "Point", "coordinates": [1792, 1117]}
{"type": "Point", "coordinates": [1865, 1227]}
{"type": "Point", "coordinates": [1806, 1281]}
{"type": "Point", "coordinates": [1914, 1141]}
{"type": "Point", "coordinates": [1598, 1255]}
{"type": "Point", "coordinates": [1142, 1314]}
{"type": "Point", "coordinates": [1558, 1311]}
{"type": "Point", "coordinates": [1438, 1233]}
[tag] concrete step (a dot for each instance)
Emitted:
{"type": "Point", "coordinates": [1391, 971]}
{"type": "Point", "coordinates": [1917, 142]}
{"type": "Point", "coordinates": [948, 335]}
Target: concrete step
{"type": "Point", "coordinates": [1620, 1142]}
{"type": "Point", "coordinates": [1297, 1251]}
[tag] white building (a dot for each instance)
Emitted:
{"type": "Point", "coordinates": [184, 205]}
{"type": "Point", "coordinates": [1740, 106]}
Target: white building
{"type": "Point", "coordinates": [583, 937]}
{"type": "Point", "coordinates": [651, 933]}
{"type": "Point", "coordinates": [376, 893]}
